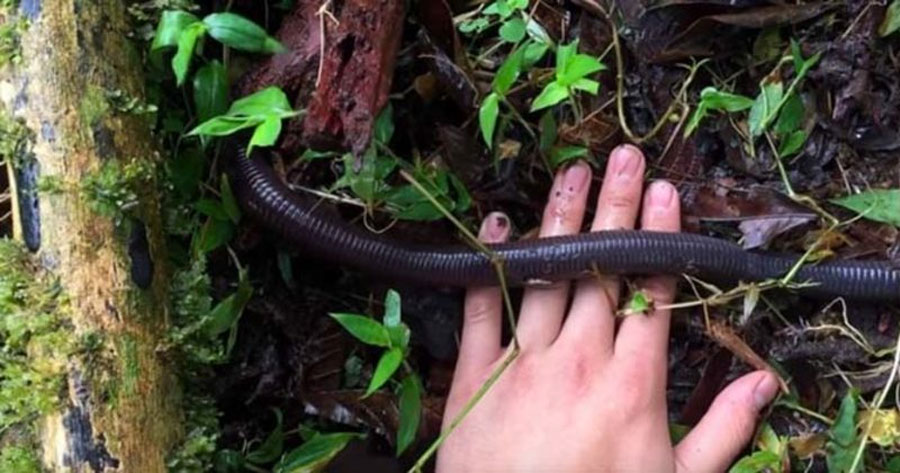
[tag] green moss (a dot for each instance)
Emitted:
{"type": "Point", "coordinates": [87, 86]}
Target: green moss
{"type": "Point", "coordinates": [113, 190]}
{"type": "Point", "coordinates": [94, 105]}
{"type": "Point", "coordinates": [14, 138]}
{"type": "Point", "coordinates": [196, 453]}
{"type": "Point", "coordinates": [11, 28]}
{"type": "Point", "coordinates": [130, 367]}
{"type": "Point", "coordinates": [35, 339]}
{"type": "Point", "coordinates": [16, 459]}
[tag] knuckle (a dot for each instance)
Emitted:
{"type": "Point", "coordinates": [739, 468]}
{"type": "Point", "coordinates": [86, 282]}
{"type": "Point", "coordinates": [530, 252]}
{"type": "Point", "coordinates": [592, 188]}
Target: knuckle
{"type": "Point", "coordinates": [479, 312]}
{"type": "Point", "coordinates": [621, 202]}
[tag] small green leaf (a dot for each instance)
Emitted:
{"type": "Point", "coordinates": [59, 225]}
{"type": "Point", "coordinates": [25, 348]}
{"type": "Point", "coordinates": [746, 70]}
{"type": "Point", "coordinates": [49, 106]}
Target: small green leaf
{"type": "Point", "coordinates": [224, 125]}
{"type": "Point", "coordinates": [513, 30]}
{"type": "Point", "coordinates": [410, 412]}
{"type": "Point", "coordinates": [171, 24]}
{"type": "Point", "coordinates": [270, 449]}
{"type": "Point", "coordinates": [364, 329]}
{"type": "Point", "coordinates": [792, 144]}
{"type": "Point", "coordinates": [266, 102]}
{"type": "Point", "coordinates": [563, 53]}
{"type": "Point", "coordinates": [240, 33]}
{"type": "Point", "coordinates": [226, 313]}
{"type": "Point", "coordinates": [791, 116]}
{"type": "Point", "coordinates": [844, 440]}
{"type": "Point", "coordinates": [181, 63]}
{"type": "Point", "coordinates": [211, 208]}
{"type": "Point", "coordinates": [229, 203]}
{"type": "Point", "coordinates": [508, 73]}
{"type": "Point", "coordinates": [587, 85]}
{"type": "Point", "coordinates": [579, 66]}
{"type": "Point", "coordinates": [758, 462]}
{"type": "Point", "coordinates": [549, 133]}
{"type": "Point", "coordinates": [764, 107]}
{"type": "Point", "coordinates": [552, 94]}
{"type": "Point", "coordinates": [487, 117]}
{"type": "Point", "coordinates": [213, 234]}
{"type": "Point", "coordinates": [211, 91]}
{"type": "Point", "coordinates": [532, 52]}
{"type": "Point", "coordinates": [314, 454]}
{"type": "Point", "coordinates": [387, 366]}
{"type": "Point", "coordinates": [891, 22]}
{"type": "Point", "coordinates": [717, 100]}
{"type": "Point", "coordinates": [383, 130]}
{"type": "Point", "coordinates": [564, 154]}
{"type": "Point", "coordinates": [639, 304]}
{"type": "Point", "coordinates": [881, 205]}
{"type": "Point", "coordinates": [399, 336]}
{"type": "Point", "coordinates": [266, 133]}
{"type": "Point", "coordinates": [391, 309]}
{"type": "Point", "coordinates": [538, 33]}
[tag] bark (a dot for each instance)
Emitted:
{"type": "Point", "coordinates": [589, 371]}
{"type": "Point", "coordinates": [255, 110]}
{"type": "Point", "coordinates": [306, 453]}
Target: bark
{"type": "Point", "coordinates": [121, 411]}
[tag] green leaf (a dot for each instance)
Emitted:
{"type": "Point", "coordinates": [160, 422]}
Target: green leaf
{"type": "Point", "coordinates": [549, 133]}
{"type": "Point", "coordinates": [383, 130]}
{"type": "Point", "coordinates": [698, 116]}
{"type": "Point", "coordinates": [399, 336]}
{"type": "Point", "coordinates": [564, 154]}
{"type": "Point", "coordinates": [538, 33]}
{"type": "Point", "coordinates": [264, 103]}
{"type": "Point", "coordinates": [226, 313]}
{"type": "Point", "coordinates": [587, 85]}
{"type": "Point", "coordinates": [387, 366]}
{"type": "Point", "coordinates": [240, 33]}
{"type": "Point", "coordinates": [563, 53]}
{"type": "Point", "coordinates": [532, 52]}
{"type": "Point", "coordinates": [314, 455]}
{"type": "Point", "coordinates": [367, 182]}
{"type": "Point", "coordinates": [893, 465]}
{"type": "Point", "coordinates": [266, 133]}
{"type": "Point", "coordinates": [517, 4]}
{"type": "Point", "coordinates": [364, 329]}
{"type": "Point", "coordinates": [767, 46]}
{"type": "Point", "coordinates": [715, 99]}
{"type": "Point", "coordinates": [796, 56]}
{"type": "Point", "coordinates": [224, 125]}
{"type": "Point", "coordinates": [578, 67]}
{"type": "Point", "coordinates": [844, 442]}
{"type": "Point", "coordinates": [391, 309]}
{"type": "Point", "coordinates": [410, 412]}
{"type": "Point", "coordinates": [791, 116]}
{"type": "Point", "coordinates": [213, 234]}
{"type": "Point", "coordinates": [891, 22]}
{"type": "Point", "coordinates": [270, 449]}
{"type": "Point", "coordinates": [640, 303]}
{"type": "Point", "coordinates": [513, 30]}
{"type": "Point", "coordinates": [181, 63]}
{"type": "Point", "coordinates": [792, 144]}
{"type": "Point", "coordinates": [211, 208]}
{"type": "Point", "coordinates": [758, 462]}
{"type": "Point", "coordinates": [552, 94]}
{"type": "Point", "coordinates": [881, 205]}
{"type": "Point", "coordinates": [487, 117]}
{"type": "Point", "coordinates": [211, 91]}
{"type": "Point", "coordinates": [171, 24]}
{"type": "Point", "coordinates": [764, 107]}
{"type": "Point", "coordinates": [229, 203]}
{"type": "Point", "coordinates": [508, 73]}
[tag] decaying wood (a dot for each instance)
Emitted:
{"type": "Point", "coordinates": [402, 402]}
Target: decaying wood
{"type": "Point", "coordinates": [121, 411]}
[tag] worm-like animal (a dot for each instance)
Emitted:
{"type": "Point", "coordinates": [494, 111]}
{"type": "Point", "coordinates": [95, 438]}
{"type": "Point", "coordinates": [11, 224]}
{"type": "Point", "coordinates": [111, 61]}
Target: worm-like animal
{"type": "Point", "coordinates": [301, 221]}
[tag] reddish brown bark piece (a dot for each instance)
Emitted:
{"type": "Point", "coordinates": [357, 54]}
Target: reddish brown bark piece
{"type": "Point", "coordinates": [356, 72]}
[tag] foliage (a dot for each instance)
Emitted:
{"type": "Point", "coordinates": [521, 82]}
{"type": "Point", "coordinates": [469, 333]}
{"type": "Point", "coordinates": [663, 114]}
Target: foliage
{"type": "Point", "coordinates": [183, 30]}
{"type": "Point", "coordinates": [196, 452]}
{"type": "Point", "coordinates": [881, 205]}
{"type": "Point", "coordinates": [14, 459]}
{"type": "Point", "coordinates": [891, 22]}
{"type": "Point", "coordinates": [714, 99]}
{"type": "Point", "coordinates": [770, 456]}
{"type": "Point", "coordinates": [112, 191]}
{"type": "Point", "coordinates": [392, 335]}
{"type": "Point", "coordinates": [263, 110]}
{"type": "Point", "coordinates": [572, 71]}
{"type": "Point", "coordinates": [506, 12]}
{"type": "Point", "coordinates": [844, 440]}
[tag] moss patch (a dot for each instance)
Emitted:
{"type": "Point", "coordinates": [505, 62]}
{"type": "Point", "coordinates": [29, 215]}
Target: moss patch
{"type": "Point", "coordinates": [112, 191]}
{"type": "Point", "coordinates": [11, 27]}
{"type": "Point", "coordinates": [94, 105]}
{"type": "Point", "coordinates": [16, 459]}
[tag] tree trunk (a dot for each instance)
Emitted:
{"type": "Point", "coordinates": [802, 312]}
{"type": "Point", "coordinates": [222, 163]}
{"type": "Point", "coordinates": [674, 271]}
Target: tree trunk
{"type": "Point", "coordinates": [95, 226]}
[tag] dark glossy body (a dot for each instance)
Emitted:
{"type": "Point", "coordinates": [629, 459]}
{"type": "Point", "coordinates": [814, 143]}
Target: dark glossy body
{"type": "Point", "coordinates": [299, 220]}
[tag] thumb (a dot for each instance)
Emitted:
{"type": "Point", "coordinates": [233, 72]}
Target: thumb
{"type": "Point", "coordinates": [727, 426]}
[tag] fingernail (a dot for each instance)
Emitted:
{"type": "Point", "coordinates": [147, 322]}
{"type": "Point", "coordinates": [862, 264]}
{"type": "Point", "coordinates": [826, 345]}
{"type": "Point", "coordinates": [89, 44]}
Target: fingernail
{"type": "Point", "coordinates": [661, 194]}
{"type": "Point", "coordinates": [576, 177]}
{"type": "Point", "coordinates": [765, 390]}
{"type": "Point", "coordinates": [626, 160]}
{"type": "Point", "coordinates": [494, 228]}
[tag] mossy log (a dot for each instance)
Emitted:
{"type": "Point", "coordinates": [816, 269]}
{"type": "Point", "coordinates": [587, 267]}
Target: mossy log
{"type": "Point", "coordinates": [74, 86]}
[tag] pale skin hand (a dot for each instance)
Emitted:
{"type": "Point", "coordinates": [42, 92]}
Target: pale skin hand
{"type": "Point", "coordinates": [586, 394]}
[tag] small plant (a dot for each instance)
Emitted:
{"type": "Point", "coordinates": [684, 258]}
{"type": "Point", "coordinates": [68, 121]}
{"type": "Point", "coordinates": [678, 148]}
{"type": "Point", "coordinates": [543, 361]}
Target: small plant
{"type": "Point", "coordinates": [506, 12]}
{"type": "Point", "coordinates": [392, 335]}
{"type": "Point", "coordinates": [572, 71]}
{"type": "Point", "coordinates": [184, 31]}
{"type": "Point", "coordinates": [263, 110]}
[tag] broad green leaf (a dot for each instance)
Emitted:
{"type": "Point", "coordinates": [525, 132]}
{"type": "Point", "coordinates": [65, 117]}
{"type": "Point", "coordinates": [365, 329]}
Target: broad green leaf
{"type": "Point", "coordinates": [266, 133]}
{"type": "Point", "coordinates": [227, 312]}
{"type": "Point", "coordinates": [270, 449]}
{"type": "Point", "coordinates": [579, 66]}
{"type": "Point", "coordinates": [552, 94]}
{"type": "Point", "coordinates": [463, 198]}
{"type": "Point", "coordinates": [314, 454]}
{"type": "Point", "coordinates": [266, 102]}
{"type": "Point", "coordinates": [399, 335]}
{"type": "Point", "coordinates": [517, 4]}
{"type": "Point", "coordinates": [186, 170]}
{"type": "Point", "coordinates": [563, 53]}
{"type": "Point", "coordinates": [383, 130]}
{"type": "Point", "coordinates": [171, 24]}
{"type": "Point", "coordinates": [715, 99]}
{"type": "Point", "coordinates": [508, 73]}
{"type": "Point", "coordinates": [513, 30]}
{"type": "Point", "coordinates": [391, 309]}
{"type": "Point", "coordinates": [767, 45]}
{"type": "Point", "coordinates": [549, 133]}
{"type": "Point", "coordinates": [487, 117]}
{"type": "Point", "coordinates": [410, 412]}
{"type": "Point", "coordinates": [640, 303]}
{"type": "Point", "coordinates": [881, 205]}
{"type": "Point", "coordinates": [364, 329]}
{"type": "Point", "coordinates": [843, 438]}
{"type": "Point", "coordinates": [229, 203]}
{"type": "Point", "coordinates": [792, 144]}
{"type": "Point", "coordinates": [532, 52]}
{"type": "Point", "coordinates": [587, 85]}
{"type": "Point", "coordinates": [211, 208]}
{"type": "Point", "coordinates": [240, 33]}
{"type": "Point", "coordinates": [764, 107]}
{"type": "Point", "coordinates": [181, 63]}
{"type": "Point", "coordinates": [891, 22]}
{"type": "Point", "coordinates": [537, 32]}
{"type": "Point", "coordinates": [791, 116]}
{"type": "Point", "coordinates": [211, 91]}
{"type": "Point", "coordinates": [387, 366]}
{"type": "Point", "coordinates": [564, 154]}
{"type": "Point", "coordinates": [213, 234]}
{"type": "Point", "coordinates": [758, 462]}
{"type": "Point", "coordinates": [796, 56]}
{"type": "Point", "coordinates": [698, 116]}
{"type": "Point", "coordinates": [224, 125]}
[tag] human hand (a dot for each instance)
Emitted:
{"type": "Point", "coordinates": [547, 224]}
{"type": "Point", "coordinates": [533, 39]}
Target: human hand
{"type": "Point", "coordinates": [587, 393]}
